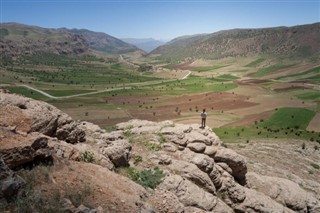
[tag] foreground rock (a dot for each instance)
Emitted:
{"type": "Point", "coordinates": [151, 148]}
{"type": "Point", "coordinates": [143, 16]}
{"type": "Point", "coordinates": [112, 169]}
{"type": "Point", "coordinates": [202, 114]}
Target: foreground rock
{"type": "Point", "coordinates": [37, 152]}
{"type": "Point", "coordinates": [10, 183]}
{"type": "Point", "coordinates": [38, 116]}
{"type": "Point", "coordinates": [199, 174]}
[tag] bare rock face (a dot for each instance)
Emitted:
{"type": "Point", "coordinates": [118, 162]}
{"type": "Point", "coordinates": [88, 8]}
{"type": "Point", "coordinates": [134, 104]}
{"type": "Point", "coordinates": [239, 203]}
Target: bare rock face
{"type": "Point", "coordinates": [236, 162]}
{"type": "Point", "coordinates": [44, 118]}
{"type": "Point", "coordinates": [118, 152]}
{"type": "Point", "coordinates": [285, 192]}
{"type": "Point", "coordinates": [10, 183]}
{"type": "Point", "coordinates": [37, 152]}
{"type": "Point", "coordinates": [188, 193]}
{"type": "Point", "coordinates": [191, 172]}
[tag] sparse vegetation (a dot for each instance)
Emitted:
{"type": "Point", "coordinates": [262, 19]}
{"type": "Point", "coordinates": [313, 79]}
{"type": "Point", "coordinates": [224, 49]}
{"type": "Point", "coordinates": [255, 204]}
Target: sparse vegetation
{"type": "Point", "coordinates": [87, 157]}
{"type": "Point", "coordinates": [147, 178]}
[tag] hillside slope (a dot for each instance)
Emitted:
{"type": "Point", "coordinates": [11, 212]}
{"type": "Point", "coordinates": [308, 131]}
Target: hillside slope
{"type": "Point", "coordinates": [21, 40]}
{"type": "Point", "coordinates": [297, 41]}
{"type": "Point", "coordinates": [103, 42]}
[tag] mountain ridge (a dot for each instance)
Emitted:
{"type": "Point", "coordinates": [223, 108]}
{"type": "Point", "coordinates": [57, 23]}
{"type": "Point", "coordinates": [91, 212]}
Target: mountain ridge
{"type": "Point", "coordinates": [20, 40]}
{"type": "Point", "coordinates": [299, 41]}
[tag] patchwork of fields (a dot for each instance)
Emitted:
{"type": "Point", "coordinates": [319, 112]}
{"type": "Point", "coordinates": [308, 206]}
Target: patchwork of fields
{"type": "Point", "coordinates": [241, 98]}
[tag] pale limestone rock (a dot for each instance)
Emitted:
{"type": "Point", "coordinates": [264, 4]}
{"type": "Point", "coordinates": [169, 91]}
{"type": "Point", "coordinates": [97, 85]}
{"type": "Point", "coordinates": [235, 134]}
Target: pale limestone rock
{"type": "Point", "coordinates": [225, 167]}
{"type": "Point", "coordinates": [211, 151]}
{"type": "Point", "coordinates": [193, 173]}
{"type": "Point", "coordinates": [118, 152]}
{"type": "Point", "coordinates": [73, 152]}
{"type": "Point", "coordinates": [215, 177]}
{"type": "Point", "coordinates": [45, 118]}
{"type": "Point", "coordinates": [197, 137]}
{"type": "Point", "coordinates": [188, 193]}
{"type": "Point", "coordinates": [285, 192]}
{"type": "Point", "coordinates": [221, 207]}
{"type": "Point", "coordinates": [197, 147]}
{"type": "Point", "coordinates": [169, 147]}
{"type": "Point", "coordinates": [135, 123]}
{"type": "Point", "coordinates": [161, 158]}
{"type": "Point", "coordinates": [258, 202]}
{"type": "Point", "coordinates": [235, 161]}
{"type": "Point", "coordinates": [203, 162]}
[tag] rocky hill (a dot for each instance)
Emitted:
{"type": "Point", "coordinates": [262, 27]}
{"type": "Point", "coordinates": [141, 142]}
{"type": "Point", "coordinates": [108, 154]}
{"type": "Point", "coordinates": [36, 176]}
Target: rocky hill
{"type": "Point", "coordinates": [298, 41]}
{"type": "Point", "coordinates": [49, 162]}
{"type": "Point", "coordinates": [21, 40]}
{"type": "Point", "coordinates": [103, 42]}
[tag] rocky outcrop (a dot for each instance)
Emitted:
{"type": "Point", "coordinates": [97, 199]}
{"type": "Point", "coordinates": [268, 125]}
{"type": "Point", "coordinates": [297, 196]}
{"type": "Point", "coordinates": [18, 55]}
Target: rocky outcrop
{"type": "Point", "coordinates": [188, 193]}
{"type": "Point", "coordinates": [44, 118]}
{"type": "Point", "coordinates": [36, 152]}
{"type": "Point", "coordinates": [200, 174]}
{"type": "Point", "coordinates": [285, 192]}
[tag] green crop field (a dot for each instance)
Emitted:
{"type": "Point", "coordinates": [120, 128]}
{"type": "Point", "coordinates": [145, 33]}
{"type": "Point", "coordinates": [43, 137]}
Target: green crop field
{"type": "Point", "coordinates": [309, 95]}
{"type": "Point", "coordinates": [314, 70]}
{"type": "Point", "coordinates": [210, 68]}
{"type": "Point", "coordinates": [120, 87]}
{"type": "Point", "coordinates": [255, 62]}
{"type": "Point", "coordinates": [269, 70]}
{"type": "Point", "coordinates": [298, 118]}
{"type": "Point", "coordinates": [228, 77]}
{"type": "Point", "coordinates": [284, 123]}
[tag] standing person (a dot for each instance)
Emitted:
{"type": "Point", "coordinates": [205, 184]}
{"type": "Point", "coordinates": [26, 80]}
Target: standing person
{"type": "Point", "coordinates": [203, 118]}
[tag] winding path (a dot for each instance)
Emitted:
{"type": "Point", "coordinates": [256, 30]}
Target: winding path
{"type": "Point", "coordinates": [96, 92]}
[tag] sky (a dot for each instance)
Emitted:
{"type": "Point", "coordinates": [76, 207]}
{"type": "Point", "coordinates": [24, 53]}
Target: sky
{"type": "Point", "coordinates": [159, 19]}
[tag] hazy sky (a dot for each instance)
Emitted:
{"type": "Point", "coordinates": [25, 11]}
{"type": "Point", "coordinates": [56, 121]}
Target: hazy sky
{"type": "Point", "coordinates": [161, 19]}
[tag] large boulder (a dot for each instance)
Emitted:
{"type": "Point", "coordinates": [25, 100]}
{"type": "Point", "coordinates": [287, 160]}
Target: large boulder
{"type": "Point", "coordinates": [36, 152]}
{"type": "Point", "coordinates": [119, 152]}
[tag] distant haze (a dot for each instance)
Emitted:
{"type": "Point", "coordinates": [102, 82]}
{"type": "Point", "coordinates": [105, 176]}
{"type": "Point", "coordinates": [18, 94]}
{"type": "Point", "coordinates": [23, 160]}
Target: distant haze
{"type": "Point", "coordinates": [146, 44]}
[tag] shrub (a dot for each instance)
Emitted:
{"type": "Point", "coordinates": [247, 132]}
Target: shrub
{"type": "Point", "coordinates": [147, 178]}
{"type": "Point", "coordinates": [127, 133]}
{"type": "Point", "coordinates": [303, 146]}
{"type": "Point", "coordinates": [87, 157]}
{"type": "Point", "coordinates": [162, 139]}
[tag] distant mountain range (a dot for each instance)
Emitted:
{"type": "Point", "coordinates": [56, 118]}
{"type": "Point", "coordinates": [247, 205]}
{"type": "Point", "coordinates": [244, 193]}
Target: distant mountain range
{"type": "Point", "coordinates": [19, 39]}
{"type": "Point", "coordinates": [146, 44]}
{"type": "Point", "coordinates": [297, 41]}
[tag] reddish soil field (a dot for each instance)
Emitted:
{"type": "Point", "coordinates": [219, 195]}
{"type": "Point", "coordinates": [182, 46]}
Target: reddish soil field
{"type": "Point", "coordinates": [290, 87]}
{"type": "Point", "coordinates": [156, 109]}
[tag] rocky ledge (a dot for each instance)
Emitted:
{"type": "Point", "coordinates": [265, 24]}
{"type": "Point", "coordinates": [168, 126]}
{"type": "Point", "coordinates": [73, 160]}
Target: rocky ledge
{"type": "Point", "coordinates": [199, 173]}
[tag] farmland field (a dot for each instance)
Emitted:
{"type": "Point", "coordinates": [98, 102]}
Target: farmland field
{"type": "Point", "coordinates": [108, 91]}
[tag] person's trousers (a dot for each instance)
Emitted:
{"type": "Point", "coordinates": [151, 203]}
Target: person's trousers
{"type": "Point", "coordinates": [203, 122]}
